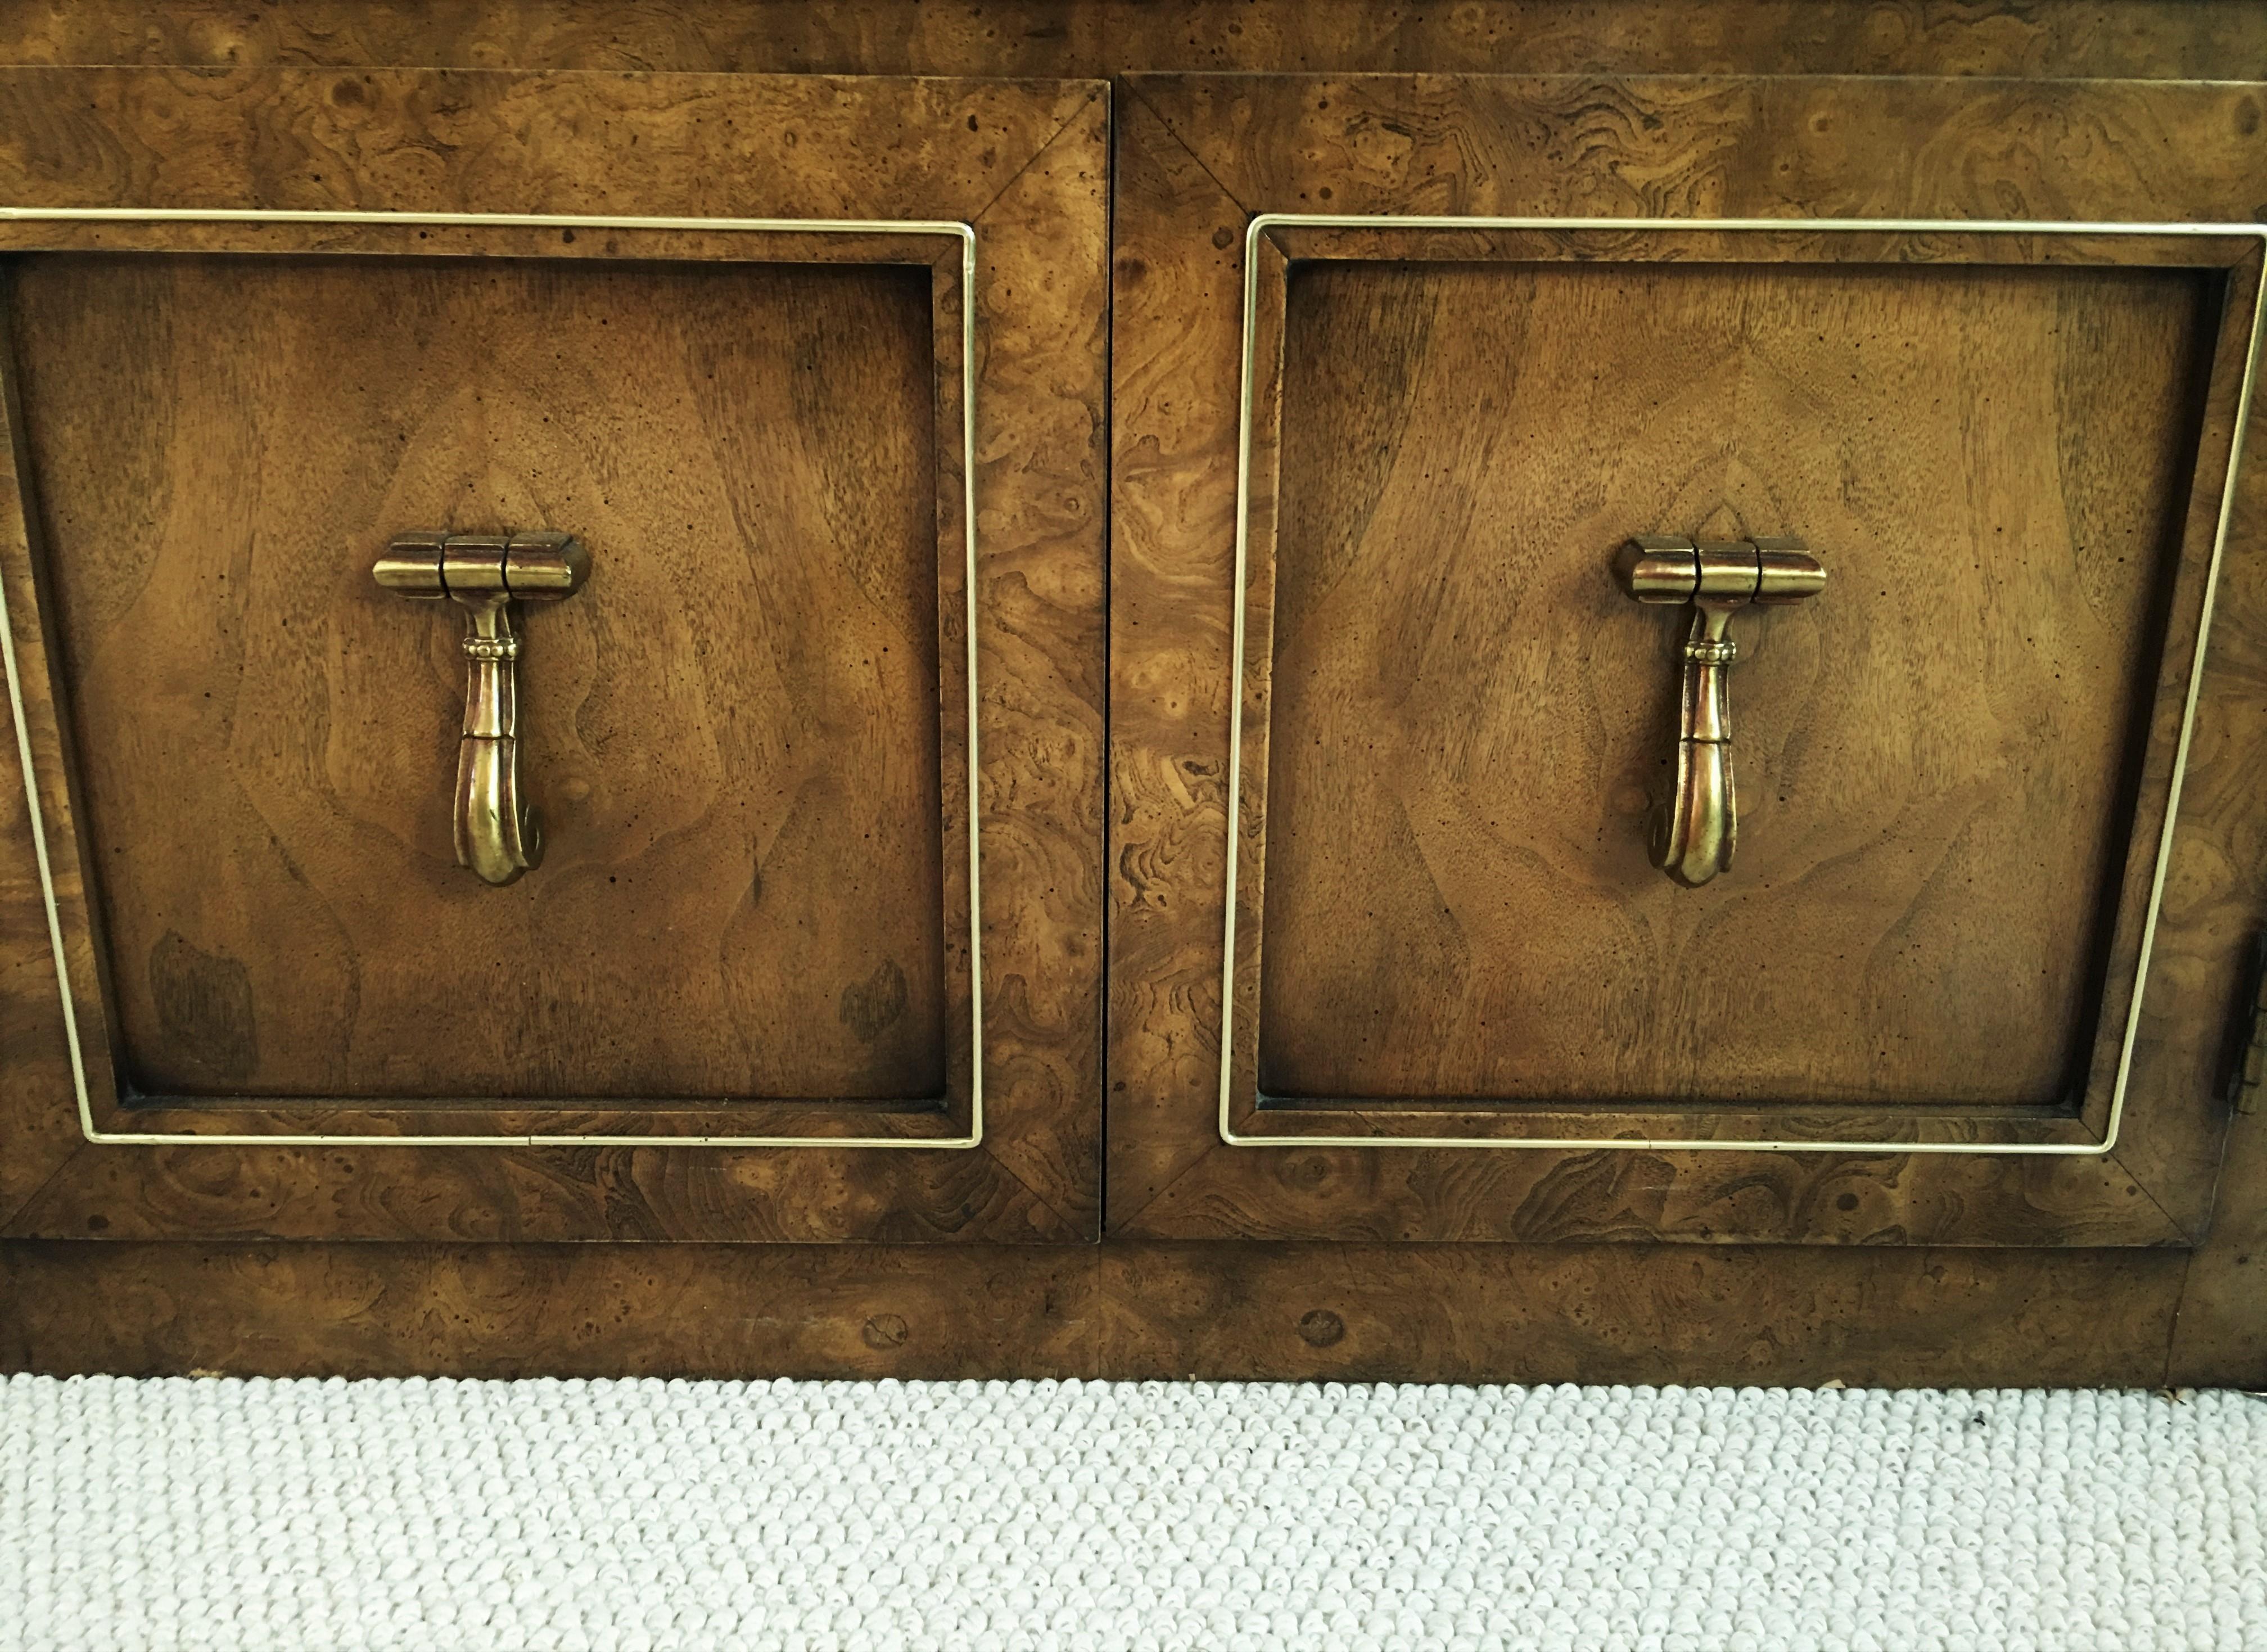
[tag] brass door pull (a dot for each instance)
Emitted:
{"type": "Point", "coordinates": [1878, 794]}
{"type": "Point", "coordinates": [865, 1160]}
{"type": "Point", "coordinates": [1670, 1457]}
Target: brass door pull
{"type": "Point", "coordinates": [496, 836]}
{"type": "Point", "coordinates": [1692, 839]}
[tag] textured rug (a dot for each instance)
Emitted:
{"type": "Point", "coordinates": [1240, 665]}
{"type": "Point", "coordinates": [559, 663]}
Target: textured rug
{"type": "Point", "coordinates": [645, 1515]}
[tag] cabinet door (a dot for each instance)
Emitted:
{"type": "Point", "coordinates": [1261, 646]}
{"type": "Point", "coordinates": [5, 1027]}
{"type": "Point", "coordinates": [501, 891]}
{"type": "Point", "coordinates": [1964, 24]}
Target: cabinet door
{"type": "Point", "coordinates": [810, 369]}
{"type": "Point", "coordinates": [1401, 367]}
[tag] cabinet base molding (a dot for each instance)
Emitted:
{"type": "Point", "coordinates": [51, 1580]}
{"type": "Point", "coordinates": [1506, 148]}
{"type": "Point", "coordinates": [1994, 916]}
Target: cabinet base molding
{"type": "Point", "coordinates": [1119, 1310]}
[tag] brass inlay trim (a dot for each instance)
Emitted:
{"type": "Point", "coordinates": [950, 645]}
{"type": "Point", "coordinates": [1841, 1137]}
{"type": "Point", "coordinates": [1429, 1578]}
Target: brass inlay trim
{"type": "Point", "coordinates": [966, 235]}
{"type": "Point", "coordinates": [1263, 222]}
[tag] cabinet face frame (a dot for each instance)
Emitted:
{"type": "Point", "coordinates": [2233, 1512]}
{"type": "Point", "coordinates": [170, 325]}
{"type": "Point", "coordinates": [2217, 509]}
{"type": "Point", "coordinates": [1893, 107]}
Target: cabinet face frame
{"type": "Point", "coordinates": [1003, 204]}
{"type": "Point", "coordinates": [1257, 159]}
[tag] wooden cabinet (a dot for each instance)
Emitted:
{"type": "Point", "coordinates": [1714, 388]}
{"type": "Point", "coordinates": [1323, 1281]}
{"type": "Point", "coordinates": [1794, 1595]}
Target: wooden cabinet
{"type": "Point", "coordinates": [760, 365]}
{"type": "Point", "coordinates": [1400, 365]}
{"type": "Point", "coordinates": [1098, 742]}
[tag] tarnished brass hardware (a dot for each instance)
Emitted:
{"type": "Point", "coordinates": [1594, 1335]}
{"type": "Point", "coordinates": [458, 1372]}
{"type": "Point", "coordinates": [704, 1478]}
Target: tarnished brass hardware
{"type": "Point", "coordinates": [1693, 837]}
{"type": "Point", "coordinates": [497, 836]}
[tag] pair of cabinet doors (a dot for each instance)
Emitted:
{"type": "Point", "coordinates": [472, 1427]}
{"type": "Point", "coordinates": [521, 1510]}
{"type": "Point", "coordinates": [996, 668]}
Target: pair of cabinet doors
{"type": "Point", "coordinates": [1095, 695]}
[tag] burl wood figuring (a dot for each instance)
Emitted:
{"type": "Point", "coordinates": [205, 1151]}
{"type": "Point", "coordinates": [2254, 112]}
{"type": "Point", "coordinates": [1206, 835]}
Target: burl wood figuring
{"type": "Point", "coordinates": [750, 731]}
{"type": "Point", "coordinates": [730, 909]}
{"type": "Point", "coordinates": [1453, 722]}
{"type": "Point", "coordinates": [1121, 1309]}
{"type": "Point", "coordinates": [2176, 39]}
{"type": "Point", "coordinates": [1954, 763]}
{"type": "Point", "coordinates": [1934, 756]}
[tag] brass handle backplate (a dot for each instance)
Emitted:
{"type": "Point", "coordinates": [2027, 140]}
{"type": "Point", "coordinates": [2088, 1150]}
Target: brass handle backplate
{"type": "Point", "coordinates": [497, 836]}
{"type": "Point", "coordinates": [1692, 838]}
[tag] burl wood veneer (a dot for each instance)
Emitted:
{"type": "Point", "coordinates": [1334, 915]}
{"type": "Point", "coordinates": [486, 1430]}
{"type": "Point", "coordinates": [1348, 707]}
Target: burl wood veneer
{"type": "Point", "coordinates": [729, 909]}
{"type": "Point", "coordinates": [1435, 578]}
{"type": "Point", "coordinates": [750, 731]}
{"type": "Point", "coordinates": [1936, 759]}
{"type": "Point", "coordinates": [1441, 589]}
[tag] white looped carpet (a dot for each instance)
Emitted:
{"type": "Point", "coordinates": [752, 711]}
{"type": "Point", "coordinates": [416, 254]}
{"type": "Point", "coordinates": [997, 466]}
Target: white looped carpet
{"type": "Point", "coordinates": [644, 1514]}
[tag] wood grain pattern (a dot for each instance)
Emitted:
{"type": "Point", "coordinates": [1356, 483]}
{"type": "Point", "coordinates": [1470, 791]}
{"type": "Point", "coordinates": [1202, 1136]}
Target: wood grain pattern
{"type": "Point", "coordinates": [2221, 1334]}
{"type": "Point", "coordinates": [527, 1311]}
{"type": "Point", "coordinates": [1597, 1314]}
{"type": "Point", "coordinates": [1470, 721]}
{"type": "Point", "coordinates": [1172, 398]}
{"type": "Point", "coordinates": [2176, 1040]}
{"type": "Point", "coordinates": [409, 140]}
{"type": "Point", "coordinates": [1827, 146]}
{"type": "Point", "coordinates": [1197, 150]}
{"type": "Point", "coordinates": [539, 1195]}
{"type": "Point", "coordinates": [727, 908]}
{"type": "Point", "coordinates": [1347, 1313]}
{"type": "Point", "coordinates": [37, 1137]}
{"type": "Point", "coordinates": [1043, 487]}
{"type": "Point", "coordinates": [328, 132]}
{"type": "Point", "coordinates": [2215, 900]}
{"type": "Point", "coordinates": [2153, 38]}
{"type": "Point", "coordinates": [1655, 1195]}
{"type": "Point", "coordinates": [743, 146]}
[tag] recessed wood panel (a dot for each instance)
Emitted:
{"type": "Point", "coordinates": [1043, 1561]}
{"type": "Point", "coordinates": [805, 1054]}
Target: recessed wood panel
{"type": "Point", "coordinates": [1936, 758]}
{"type": "Point", "coordinates": [732, 732]}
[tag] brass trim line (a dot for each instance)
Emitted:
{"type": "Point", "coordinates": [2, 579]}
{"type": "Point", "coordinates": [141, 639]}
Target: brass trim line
{"type": "Point", "coordinates": [1263, 222]}
{"type": "Point", "coordinates": [966, 234]}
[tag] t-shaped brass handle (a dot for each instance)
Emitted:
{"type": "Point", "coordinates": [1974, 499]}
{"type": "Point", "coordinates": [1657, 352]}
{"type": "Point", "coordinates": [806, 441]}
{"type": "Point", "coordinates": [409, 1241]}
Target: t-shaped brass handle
{"type": "Point", "coordinates": [496, 836]}
{"type": "Point", "coordinates": [1692, 838]}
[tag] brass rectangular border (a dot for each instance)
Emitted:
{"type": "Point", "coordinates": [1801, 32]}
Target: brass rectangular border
{"type": "Point", "coordinates": [1264, 221]}
{"type": "Point", "coordinates": [966, 234]}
